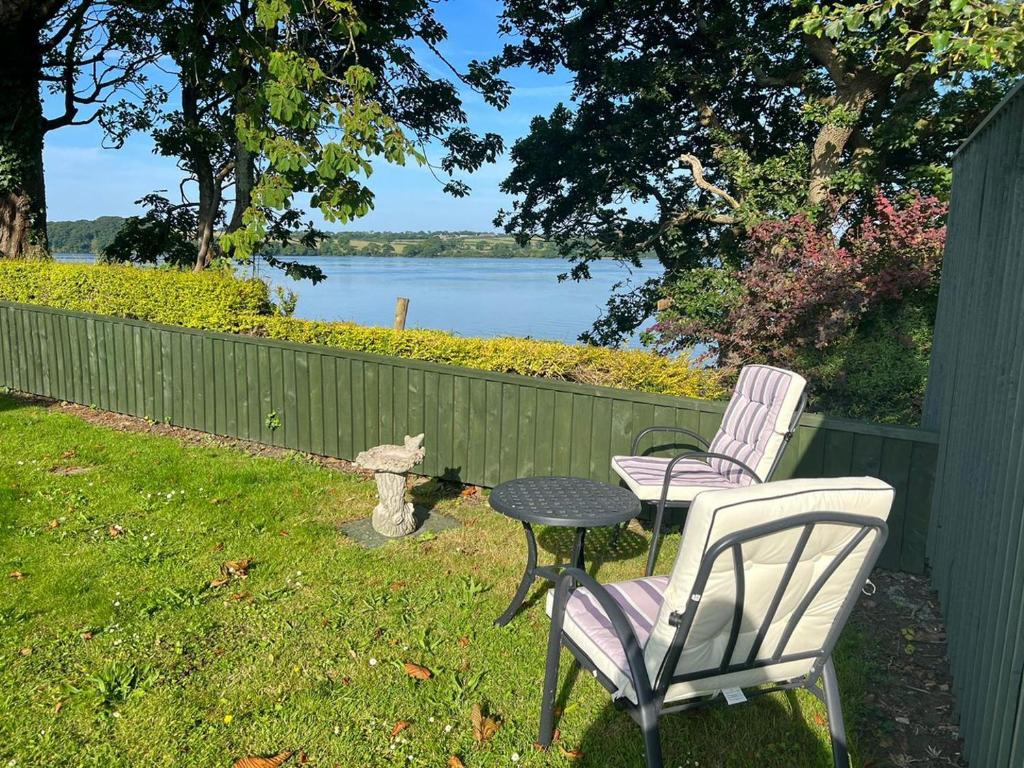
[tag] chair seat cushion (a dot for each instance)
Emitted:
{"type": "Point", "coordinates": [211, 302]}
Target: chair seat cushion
{"type": "Point", "coordinates": [645, 476]}
{"type": "Point", "coordinates": [588, 626]}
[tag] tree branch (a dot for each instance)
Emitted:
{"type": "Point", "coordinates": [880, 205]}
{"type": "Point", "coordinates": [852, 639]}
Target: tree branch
{"type": "Point", "coordinates": [697, 169]}
{"type": "Point", "coordinates": [827, 55]}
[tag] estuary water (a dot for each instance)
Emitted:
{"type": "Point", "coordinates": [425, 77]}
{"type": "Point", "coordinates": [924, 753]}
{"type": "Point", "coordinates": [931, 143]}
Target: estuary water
{"type": "Point", "coordinates": [466, 296]}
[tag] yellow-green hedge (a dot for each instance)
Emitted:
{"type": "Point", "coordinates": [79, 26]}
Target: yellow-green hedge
{"type": "Point", "coordinates": [548, 359]}
{"type": "Point", "coordinates": [216, 301]}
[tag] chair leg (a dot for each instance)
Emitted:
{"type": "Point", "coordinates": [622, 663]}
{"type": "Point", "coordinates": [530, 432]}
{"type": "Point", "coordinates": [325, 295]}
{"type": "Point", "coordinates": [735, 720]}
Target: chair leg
{"type": "Point", "coordinates": [547, 705]}
{"type": "Point", "coordinates": [652, 556]}
{"type": "Point", "coordinates": [652, 739]}
{"type": "Point", "coordinates": [836, 726]}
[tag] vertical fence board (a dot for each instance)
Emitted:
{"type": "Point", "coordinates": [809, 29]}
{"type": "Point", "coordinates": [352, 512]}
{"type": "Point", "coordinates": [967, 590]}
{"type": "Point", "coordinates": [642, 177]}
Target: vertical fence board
{"type": "Point", "coordinates": [316, 405]}
{"type": "Point", "coordinates": [492, 436]}
{"type": "Point", "coordinates": [276, 414]}
{"type": "Point", "coordinates": [345, 388]}
{"type": "Point", "coordinates": [461, 424]}
{"type": "Point", "coordinates": [544, 434]}
{"type": "Point", "coordinates": [527, 432]}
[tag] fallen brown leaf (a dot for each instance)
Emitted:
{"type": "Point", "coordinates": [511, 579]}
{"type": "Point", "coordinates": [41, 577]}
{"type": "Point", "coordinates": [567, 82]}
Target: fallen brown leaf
{"type": "Point", "coordinates": [469, 490]}
{"type": "Point", "coordinates": [394, 586]}
{"type": "Point", "coordinates": [463, 641]}
{"type": "Point", "coordinates": [484, 726]}
{"type": "Point", "coordinates": [114, 531]}
{"type": "Point", "coordinates": [236, 569]}
{"type": "Point", "coordinates": [25, 651]}
{"type": "Point", "coordinates": [455, 762]}
{"type": "Point", "coordinates": [218, 583]}
{"type": "Point", "coordinates": [400, 726]}
{"type": "Point", "coordinates": [572, 754]}
{"type": "Point", "coordinates": [417, 671]}
{"type": "Point", "coordinates": [254, 761]}
{"type": "Point", "coordinates": [218, 547]}
{"type": "Point", "coordinates": [16, 575]}
{"type": "Point", "coordinates": [53, 524]}
{"type": "Point", "coordinates": [86, 635]}
{"type": "Point", "coordinates": [283, 534]}
{"type": "Point", "coordinates": [58, 707]}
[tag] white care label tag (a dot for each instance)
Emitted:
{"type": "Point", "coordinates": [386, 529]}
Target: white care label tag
{"type": "Point", "coordinates": [733, 696]}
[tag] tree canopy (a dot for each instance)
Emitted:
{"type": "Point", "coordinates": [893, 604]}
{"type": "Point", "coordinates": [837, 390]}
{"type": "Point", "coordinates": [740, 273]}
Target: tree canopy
{"type": "Point", "coordinates": [691, 122]}
{"type": "Point", "coordinates": [286, 99]}
{"type": "Point", "coordinates": [272, 104]}
{"type": "Point", "coordinates": [89, 54]}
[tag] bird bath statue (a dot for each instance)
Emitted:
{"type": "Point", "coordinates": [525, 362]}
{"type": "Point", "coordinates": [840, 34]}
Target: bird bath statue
{"type": "Point", "coordinates": [393, 516]}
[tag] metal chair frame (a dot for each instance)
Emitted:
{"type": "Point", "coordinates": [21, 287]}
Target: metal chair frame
{"type": "Point", "coordinates": [664, 503]}
{"type": "Point", "coordinates": [650, 695]}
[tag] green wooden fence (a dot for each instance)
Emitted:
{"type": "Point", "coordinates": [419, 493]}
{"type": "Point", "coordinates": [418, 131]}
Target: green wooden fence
{"type": "Point", "coordinates": [976, 398]}
{"type": "Point", "coordinates": [481, 427]}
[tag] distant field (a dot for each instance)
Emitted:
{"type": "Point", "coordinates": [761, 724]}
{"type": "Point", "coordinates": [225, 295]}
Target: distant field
{"type": "Point", "coordinates": [92, 236]}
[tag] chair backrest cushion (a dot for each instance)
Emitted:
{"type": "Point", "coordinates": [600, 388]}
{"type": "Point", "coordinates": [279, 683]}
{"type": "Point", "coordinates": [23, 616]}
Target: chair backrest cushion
{"type": "Point", "coordinates": [756, 421]}
{"type": "Point", "coordinates": [715, 514]}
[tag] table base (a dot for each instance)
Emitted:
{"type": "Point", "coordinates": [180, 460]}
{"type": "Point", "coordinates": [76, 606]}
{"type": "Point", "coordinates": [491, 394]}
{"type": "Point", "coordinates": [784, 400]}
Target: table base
{"type": "Point", "coordinates": [534, 571]}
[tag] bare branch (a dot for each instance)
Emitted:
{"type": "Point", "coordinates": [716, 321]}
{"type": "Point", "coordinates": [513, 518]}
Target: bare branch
{"type": "Point", "coordinates": [697, 169]}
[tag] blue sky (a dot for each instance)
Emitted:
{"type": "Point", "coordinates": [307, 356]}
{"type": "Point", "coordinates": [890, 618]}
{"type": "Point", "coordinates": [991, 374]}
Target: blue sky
{"type": "Point", "coordinates": [85, 181]}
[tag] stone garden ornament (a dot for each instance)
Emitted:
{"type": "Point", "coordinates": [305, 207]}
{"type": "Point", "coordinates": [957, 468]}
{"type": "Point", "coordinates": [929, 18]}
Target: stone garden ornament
{"type": "Point", "coordinates": [393, 516]}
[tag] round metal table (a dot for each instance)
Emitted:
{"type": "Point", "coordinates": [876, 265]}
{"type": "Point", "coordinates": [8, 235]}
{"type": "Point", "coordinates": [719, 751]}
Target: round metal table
{"type": "Point", "coordinates": [566, 502]}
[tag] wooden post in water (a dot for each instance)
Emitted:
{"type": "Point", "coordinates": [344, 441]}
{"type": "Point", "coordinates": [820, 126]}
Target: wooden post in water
{"type": "Point", "coordinates": [401, 310]}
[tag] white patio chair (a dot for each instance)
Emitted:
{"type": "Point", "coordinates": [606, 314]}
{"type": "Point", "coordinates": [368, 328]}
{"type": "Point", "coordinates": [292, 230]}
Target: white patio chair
{"type": "Point", "coordinates": [763, 584]}
{"type": "Point", "coordinates": [764, 411]}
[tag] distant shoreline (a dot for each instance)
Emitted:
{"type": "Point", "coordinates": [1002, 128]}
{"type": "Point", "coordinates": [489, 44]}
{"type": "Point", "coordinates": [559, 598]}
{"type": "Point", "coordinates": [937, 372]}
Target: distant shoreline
{"type": "Point", "coordinates": [357, 254]}
{"type": "Point", "coordinates": [94, 235]}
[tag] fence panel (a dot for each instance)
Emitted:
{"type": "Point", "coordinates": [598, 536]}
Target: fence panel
{"type": "Point", "coordinates": [976, 401]}
{"type": "Point", "coordinates": [482, 428]}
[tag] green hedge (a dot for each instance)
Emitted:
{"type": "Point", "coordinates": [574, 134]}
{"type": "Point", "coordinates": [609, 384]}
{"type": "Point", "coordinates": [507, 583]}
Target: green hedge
{"type": "Point", "coordinates": [215, 300]}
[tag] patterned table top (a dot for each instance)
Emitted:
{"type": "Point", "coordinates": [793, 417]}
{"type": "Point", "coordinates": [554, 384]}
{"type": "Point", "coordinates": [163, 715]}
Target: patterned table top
{"type": "Point", "coordinates": [571, 502]}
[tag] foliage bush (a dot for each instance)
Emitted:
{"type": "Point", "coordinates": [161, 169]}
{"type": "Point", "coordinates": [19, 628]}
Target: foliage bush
{"type": "Point", "coordinates": [879, 371]}
{"type": "Point", "coordinates": [214, 300]}
{"type": "Point", "coordinates": [846, 304]}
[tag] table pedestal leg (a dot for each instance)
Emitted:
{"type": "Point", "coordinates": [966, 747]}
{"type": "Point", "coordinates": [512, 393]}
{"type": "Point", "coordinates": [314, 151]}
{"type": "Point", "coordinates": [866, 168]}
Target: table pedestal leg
{"type": "Point", "coordinates": [577, 549]}
{"type": "Point", "coordinates": [528, 577]}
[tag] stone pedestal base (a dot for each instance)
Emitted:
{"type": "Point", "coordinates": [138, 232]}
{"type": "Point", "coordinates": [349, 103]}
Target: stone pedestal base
{"type": "Point", "coordinates": [392, 517]}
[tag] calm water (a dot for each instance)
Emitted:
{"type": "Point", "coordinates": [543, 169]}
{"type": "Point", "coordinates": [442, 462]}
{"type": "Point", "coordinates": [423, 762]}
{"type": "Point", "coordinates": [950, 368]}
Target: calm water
{"type": "Point", "coordinates": [470, 297]}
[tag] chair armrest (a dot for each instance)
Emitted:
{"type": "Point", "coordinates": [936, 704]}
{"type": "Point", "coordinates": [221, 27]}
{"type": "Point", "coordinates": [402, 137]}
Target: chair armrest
{"type": "Point", "coordinates": [707, 455]}
{"type": "Point", "coordinates": [620, 624]}
{"type": "Point", "coordinates": [678, 430]}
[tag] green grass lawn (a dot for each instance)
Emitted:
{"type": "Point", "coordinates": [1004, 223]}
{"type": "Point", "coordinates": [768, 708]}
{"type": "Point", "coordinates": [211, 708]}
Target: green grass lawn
{"type": "Point", "coordinates": [115, 651]}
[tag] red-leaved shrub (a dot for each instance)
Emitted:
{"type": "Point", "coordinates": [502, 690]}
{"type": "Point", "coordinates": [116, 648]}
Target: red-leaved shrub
{"type": "Point", "coordinates": [808, 283]}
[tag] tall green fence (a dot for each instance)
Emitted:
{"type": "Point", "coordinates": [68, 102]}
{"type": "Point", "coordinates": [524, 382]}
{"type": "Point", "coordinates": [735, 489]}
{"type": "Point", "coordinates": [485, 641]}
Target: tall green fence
{"type": "Point", "coordinates": [481, 427]}
{"type": "Point", "coordinates": [976, 399]}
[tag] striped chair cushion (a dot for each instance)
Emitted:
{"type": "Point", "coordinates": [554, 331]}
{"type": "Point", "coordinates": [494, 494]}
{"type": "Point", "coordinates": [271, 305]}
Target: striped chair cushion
{"type": "Point", "coordinates": [588, 626]}
{"type": "Point", "coordinates": [755, 421]}
{"type": "Point", "coordinates": [645, 476]}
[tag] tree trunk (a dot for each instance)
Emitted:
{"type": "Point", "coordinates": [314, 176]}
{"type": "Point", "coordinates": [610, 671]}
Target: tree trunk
{"type": "Point", "coordinates": [209, 209]}
{"type": "Point", "coordinates": [202, 166]}
{"type": "Point", "coordinates": [244, 174]}
{"type": "Point", "coordinates": [22, 190]}
{"type": "Point", "coordinates": [831, 141]}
